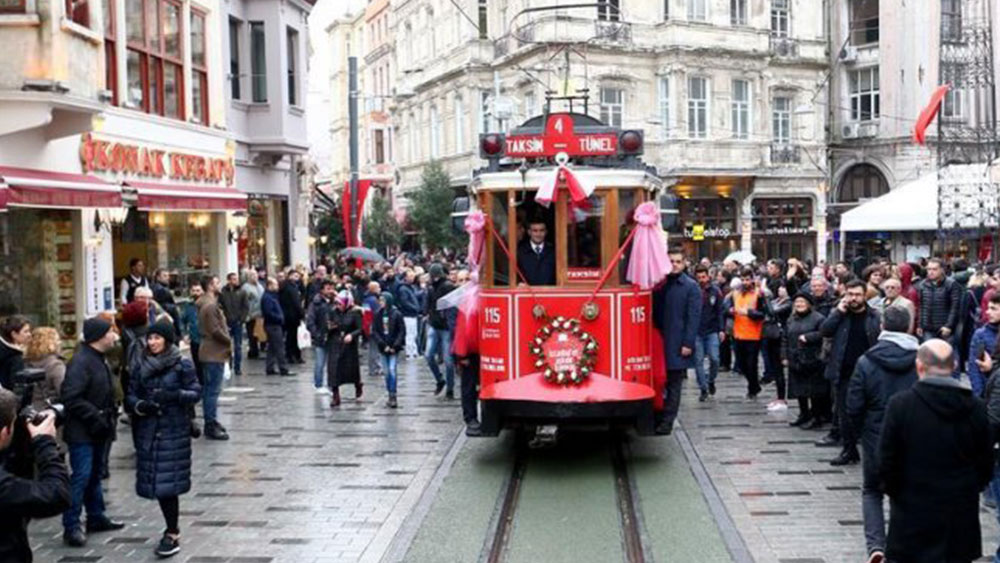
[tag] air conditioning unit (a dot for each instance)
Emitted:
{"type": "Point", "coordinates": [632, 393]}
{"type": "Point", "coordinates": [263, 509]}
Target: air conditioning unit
{"type": "Point", "coordinates": [849, 54]}
{"type": "Point", "coordinates": [850, 131]}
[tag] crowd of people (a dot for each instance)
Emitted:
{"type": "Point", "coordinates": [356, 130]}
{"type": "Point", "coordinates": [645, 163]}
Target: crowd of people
{"type": "Point", "coordinates": [898, 358]}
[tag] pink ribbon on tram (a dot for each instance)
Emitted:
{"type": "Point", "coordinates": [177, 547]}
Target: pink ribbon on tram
{"type": "Point", "coordinates": [648, 263]}
{"type": "Point", "coordinates": [579, 189]}
{"type": "Point", "coordinates": [466, 297]}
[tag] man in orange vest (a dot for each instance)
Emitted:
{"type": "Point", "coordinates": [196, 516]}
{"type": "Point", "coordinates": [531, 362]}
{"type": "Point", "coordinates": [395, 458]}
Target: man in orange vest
{"type": "Point", "coordinates": [748, 312]}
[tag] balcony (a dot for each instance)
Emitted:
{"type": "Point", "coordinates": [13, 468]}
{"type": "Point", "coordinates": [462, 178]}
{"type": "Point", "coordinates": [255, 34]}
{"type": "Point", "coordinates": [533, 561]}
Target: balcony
{"type": "Point", "coordinates": [784, 47]}
{"type": "Point", "coordinates": [613, 32]}
{"type": "Point", "coordinates": [783, 153]}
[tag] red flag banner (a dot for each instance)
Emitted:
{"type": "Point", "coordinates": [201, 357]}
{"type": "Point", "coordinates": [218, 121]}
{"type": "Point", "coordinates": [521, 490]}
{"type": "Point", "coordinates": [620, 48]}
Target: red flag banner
{"type": "Point", "coordinates": [353, 235]}
{"type": "Point", "coordinates": [928, 114]}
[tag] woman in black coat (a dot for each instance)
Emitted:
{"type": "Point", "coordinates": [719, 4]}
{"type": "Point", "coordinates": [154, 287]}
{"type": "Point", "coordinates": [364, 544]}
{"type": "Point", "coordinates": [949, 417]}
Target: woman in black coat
{"type": "Point", "coordinates": [15, 333]}
{"type": "Point", "coordinates": [162, 386]}
{"type": "Point", "coordinates": [803, 343]}
{"type": "Point", "coordinates": [389, 334]}
{"type": "Point", "coordinates": [343, 364]}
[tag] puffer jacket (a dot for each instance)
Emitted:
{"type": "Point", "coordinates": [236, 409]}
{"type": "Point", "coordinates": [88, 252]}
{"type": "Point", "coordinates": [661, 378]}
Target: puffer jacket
{"type": "Point", "coordinates": [160, 391]}
{"type": "Point", "coordinates": [940, 306]}
{"type": "Point", "coordinates": [888, 368]}
{"type": "Point", "coordinates": [983, 340]}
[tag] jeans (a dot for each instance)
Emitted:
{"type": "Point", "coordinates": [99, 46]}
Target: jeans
{"type": "Point", "coordinates": [706, 346]}
{"type": "Point", "coordinates": [87, 461]}
{"type": "Point", "coordinates": [411, 336]}
{"type": "Point", "coordinates": [871, 503]}
{"type": "Point", "coordinates": [470, 385]}
{"type": "Point", "coordinates": [236, 333]}
{"type": "Point", "coordinates": [319, 369]}
{"type": "Point", "coordinates": [374, 358]}
{"type": "Point", "coordinates": [211, 390]}
{"type": "Point", "coordinates": [995, 487]}
{"type": "Point", "coordinates": [439, 340]}
{"type": "Point", "coordinates": [276, 353]}
{"type": "Point", "coordinates": [389, 367]}
{"type": "Point", "coordinates": [747, 354]}
{"type": "Point", "coordinates": [672, 396]}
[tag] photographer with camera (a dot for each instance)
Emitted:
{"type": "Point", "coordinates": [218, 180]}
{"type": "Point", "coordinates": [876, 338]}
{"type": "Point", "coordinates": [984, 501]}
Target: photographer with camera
{"type": "Point", "coordinates": [88, 395]}
{"type": "Point", "coordinates": [22, 499]}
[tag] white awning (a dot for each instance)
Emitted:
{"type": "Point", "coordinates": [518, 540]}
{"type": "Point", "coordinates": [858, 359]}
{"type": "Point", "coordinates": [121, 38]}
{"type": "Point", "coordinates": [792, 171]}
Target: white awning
{"type": "Point", "coordinates": [910, 207]}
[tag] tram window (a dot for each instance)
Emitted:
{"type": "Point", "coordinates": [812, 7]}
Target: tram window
{"type": "Point", "coordinates": [501, 265]}
{"type": "Point", "coordinates": [536, 262]}
{"type": "Point", "coordinates": [584, 234]}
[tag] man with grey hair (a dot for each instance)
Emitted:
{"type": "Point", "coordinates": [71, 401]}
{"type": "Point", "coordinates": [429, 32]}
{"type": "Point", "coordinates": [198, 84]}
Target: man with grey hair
{"type": "Point", "coordinates": [254, 291]}
{"type": "Point", "coordinates": [936, 456]}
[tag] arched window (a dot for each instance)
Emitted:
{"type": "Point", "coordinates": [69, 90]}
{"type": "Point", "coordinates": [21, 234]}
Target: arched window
{"type": "Point", "coordinates": [862, 181]}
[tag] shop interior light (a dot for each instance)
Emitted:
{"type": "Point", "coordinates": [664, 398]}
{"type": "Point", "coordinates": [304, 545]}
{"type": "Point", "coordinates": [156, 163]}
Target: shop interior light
{"type": "Point", "coordinates": [157, 220]}
{"type": "Point", "coordinates": [312, 240]}
{"type": "Point", "coordinates": [238, 224]}
{"type": "Point", "coordinates": [323, 239]}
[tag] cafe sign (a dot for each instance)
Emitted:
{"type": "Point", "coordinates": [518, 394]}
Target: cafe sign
{"type": "Point", "coordinates": [700, 232]}
{"type": "Point", "coordinates": [142, 161]}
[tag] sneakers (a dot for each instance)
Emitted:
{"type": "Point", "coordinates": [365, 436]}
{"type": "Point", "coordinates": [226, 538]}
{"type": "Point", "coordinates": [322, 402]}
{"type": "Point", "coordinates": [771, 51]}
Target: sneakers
{"type": "Point", "coordinates": [876, 556]}
{"type": "Point", "coordinates": [777, 405]}
{"type": "Point", "coordinates": [711, 388]}
{"type": "Point", "coordinates": [828, 441]}
{"type": "Point", "coordinates": [450, 395]}
{"type": "Point", "coordinates": [168, 547]}
{"type": "Point", "coordinates": [322, 391]}
{"type": "Point", "coordinates": [285, 372]}
{"type": "Point", "coordinates": [391, 402]}
{"type": "Point", "coordinates": [103, 525]}
{"type": "Point", "coordinates": [473, 429]}
{"type": "Point", "coordinates": [439, 387]}
{"type": "Point", "coordinates": [703, 397]}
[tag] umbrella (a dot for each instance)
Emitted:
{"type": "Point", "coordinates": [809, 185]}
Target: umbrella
{"type": "Point", "coordinates": [743, 257]}
{"type": "Point", "coordinates": [361, 253]}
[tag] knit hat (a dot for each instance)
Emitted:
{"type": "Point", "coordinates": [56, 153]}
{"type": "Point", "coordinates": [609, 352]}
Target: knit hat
{"type": "Point", "coordinates": [94, 329]}
{"type": "Point", "coordinates": [437, 271]}
{"type": "Point", "coordinates": [388, 298]}
{"type": "Point", "coordinates": [805, 295]}
{"type": "Point", "coordinates": [135, 314]}
{"type": "Point", "coordinates": [163, 329]}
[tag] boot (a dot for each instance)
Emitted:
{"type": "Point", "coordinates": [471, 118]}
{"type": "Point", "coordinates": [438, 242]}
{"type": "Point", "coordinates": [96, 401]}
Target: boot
{"type": "Point", "coordinates": [358, 390]}
{"type": "Point", "coordinates": [846, 457]}
{"type": "Point", "coordinates": [335, 400]}
{"type": "Point", "coordinates": [392, 401]}
{"type": "Point", "coordinates": [804, 418]}
{"type": "Point", "coordinates": [215, 431]}
{"type": "Point", "coordinates": [817, 423]}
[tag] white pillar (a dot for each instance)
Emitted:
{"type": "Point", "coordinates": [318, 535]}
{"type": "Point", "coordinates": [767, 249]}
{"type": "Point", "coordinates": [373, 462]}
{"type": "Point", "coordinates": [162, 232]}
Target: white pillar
{"type": "Point", "coordinates": [94, 262]}
{"type": "Point", "coordinates": [222, 255]}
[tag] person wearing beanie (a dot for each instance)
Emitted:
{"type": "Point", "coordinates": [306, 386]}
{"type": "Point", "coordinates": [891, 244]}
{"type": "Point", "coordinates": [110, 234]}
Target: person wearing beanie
{"type": "Point", "coordinates": [88, 395]}
{"type": "Point", "coordinates": [163, 387]}
{"type": "Point", "coordinates": [802, 345]}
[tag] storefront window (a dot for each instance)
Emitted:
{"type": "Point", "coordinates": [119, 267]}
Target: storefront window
{"type": "Point", "coordinates": [178, 242]}
{"type": "Point", "coordinates": [707, 227]}
{"type": "Point", "coordinates": [783, 228]}
{"type": "Point", "coordinates": [37, 278]}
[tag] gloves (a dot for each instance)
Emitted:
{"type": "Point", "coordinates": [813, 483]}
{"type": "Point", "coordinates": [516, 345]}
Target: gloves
{"type": "Point", "coordinates": [147, 408]}
{"type": "Point", "coordinates": [163, 396]}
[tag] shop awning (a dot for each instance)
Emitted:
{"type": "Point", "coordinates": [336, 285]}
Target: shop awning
{"type": "Point", "coordinates": [179, 197]}
{"type": "Point", "coordinates": [910, 207]}
{"type": "Point", "coordinates": [27, 187]}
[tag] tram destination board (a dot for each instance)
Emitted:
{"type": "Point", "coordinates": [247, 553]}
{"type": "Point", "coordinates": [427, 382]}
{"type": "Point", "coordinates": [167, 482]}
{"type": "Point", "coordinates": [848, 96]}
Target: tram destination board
{"type": "Point", "coordinates": [559, 136]}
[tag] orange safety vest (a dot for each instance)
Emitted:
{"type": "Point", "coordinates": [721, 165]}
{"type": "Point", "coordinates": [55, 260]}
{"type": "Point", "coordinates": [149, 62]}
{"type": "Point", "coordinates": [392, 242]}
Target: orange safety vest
{"type": "Point", "coordinates": [745, 328]}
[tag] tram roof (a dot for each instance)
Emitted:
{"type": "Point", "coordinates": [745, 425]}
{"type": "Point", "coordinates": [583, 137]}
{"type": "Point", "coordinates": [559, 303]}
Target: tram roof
{"type": "Point", "coordinates": [532, 179]}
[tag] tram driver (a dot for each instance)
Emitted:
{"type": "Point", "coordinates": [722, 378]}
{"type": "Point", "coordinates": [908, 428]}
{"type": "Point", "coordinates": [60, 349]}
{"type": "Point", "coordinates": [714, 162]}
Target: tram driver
{"type": "Point", "coordinates": [536, 257]}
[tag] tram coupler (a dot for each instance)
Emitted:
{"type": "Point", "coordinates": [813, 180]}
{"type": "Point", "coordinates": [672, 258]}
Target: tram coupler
{"type": "Point", "coordinates": [545, 436]}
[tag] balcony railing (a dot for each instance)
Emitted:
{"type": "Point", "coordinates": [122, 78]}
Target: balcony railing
{"type": "Point", "coordinates": [783, 153]}
{"type": "Point", "coordinates": [784, 47]}
{"type": "Point", "coordinates": [613, 32]}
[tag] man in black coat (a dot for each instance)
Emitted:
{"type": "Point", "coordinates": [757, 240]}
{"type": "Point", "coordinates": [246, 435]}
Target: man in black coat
{"type": "Point", "coordinates": [940, 304]}
{"type": "Point", "coordinates": [22, 499]}
{"type": "Point", "coordinates": [536, 258]}
{"type": "Point", "coordinates": [291, 306]}
{"type": "Point", "coordinates": [853, 327]}
{"type": "Point", "coordinates": [885, 370]}
{"type": "Point", "coordinates": [936, 456]}
{"type": "Point", "coordinates": [88, 395]}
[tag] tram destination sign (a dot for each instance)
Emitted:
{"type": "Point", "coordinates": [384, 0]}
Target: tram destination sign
{"type": "Point", "coordinates": [558, 137]}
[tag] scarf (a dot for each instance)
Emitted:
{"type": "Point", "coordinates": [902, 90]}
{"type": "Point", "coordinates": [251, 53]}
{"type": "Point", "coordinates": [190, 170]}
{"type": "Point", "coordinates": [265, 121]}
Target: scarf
{"type": "Point", "coordinates": [154, 366]}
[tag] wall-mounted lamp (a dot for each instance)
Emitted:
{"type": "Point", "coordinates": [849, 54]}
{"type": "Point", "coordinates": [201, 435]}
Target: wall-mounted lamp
{"type": "Point", "coordinates": [312, 240]}
{"type": "Point", "coordinates": [237, 225]}
{"type": "Point", "coordinates": [112, 217]}
{"type": "Point", "coordinates": [323, 239]}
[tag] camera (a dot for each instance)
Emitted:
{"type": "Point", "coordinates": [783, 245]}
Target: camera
{"type": "Point", "coordinates": [21, 461]}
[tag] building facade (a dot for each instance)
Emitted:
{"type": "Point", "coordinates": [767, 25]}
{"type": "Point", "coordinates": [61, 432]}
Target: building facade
{"type": "Point", "coordinates": [265, 45]}
{"type": "Point", "coordinates": [727, 92]}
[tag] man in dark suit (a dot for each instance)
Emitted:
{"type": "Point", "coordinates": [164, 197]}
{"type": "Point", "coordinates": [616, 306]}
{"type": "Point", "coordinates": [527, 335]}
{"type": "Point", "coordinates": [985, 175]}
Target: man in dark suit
{"type": "Point", "coordinates": [536, 258]}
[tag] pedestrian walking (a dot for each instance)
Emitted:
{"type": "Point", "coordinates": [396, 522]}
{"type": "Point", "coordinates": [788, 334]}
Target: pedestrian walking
{"type": "Point", "coordinates": [388, 338]}
{"type": "Point", "coordinates": [888, 368]}
{"type": "Point", "coordinates": [255, 322]}
{"type": "Point", "coordinates": [216, 349]}
{"type": "Point", "coordinates": [235, 306]}
{"type": "Point", "coordinates": [371, 307]}
{"type": "Point", "coordinates": [317, 323]}
{"type": "Point", "coordinates": [438, 333]}
{"type": "Point", "coordinates": [42, 353]}
{"type": "Point", "coordinates": [749, 309]}
{"type": "Point", "coordinates": [274, 326]}
{"type": "Point", "coordinates": [710, 333]}
{"type": "Point", "coordinates": [853, 328]}
{"type": "Point", "coordinates": [936, 456]}
{"type": "Point", "coordinates": [88, 395]}
{"type": "Point", "coordinates": [802, 349]}
{"type": "Point", "coordinates": [163, 385]}
{"type": "Point", "coordinates": [15, 334]}
{"type": "Point", "coordinates": [409, 306]}
{"type": "Point", "coordinates": [293, 311]}
{"type": "Point", "coordinates": [677, 315]}
{"type": "Point", "coordinates": [343, 363]}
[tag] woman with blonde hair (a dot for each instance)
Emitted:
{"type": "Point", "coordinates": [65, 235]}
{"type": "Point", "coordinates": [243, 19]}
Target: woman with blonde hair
{"type": "Point", "coordinates": [43, 353]}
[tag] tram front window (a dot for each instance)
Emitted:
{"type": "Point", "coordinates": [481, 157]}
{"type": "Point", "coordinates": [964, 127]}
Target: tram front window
{"type": "Point", "coordinates": [584, 233]}
{"type": "Point", "coordinates": [536, 251]}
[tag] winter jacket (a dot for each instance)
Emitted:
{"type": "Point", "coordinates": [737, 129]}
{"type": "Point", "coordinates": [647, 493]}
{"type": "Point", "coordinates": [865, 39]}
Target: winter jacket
{"type": "Point", "coordinates": [254, 293]}
{"type": "Point", "coordinates": [803, 356]}
{"type": "Point", "coordinates": [165, 299]}
{"type": "Point", "coordinates": [316, 320]}
{"type": "Point", "coordinates": [235, 304]}
{"type": "Point", "coordinates": [838, 328]}
{"type": "Point", "coordinates": [189, 321]}
{"type": "Point", "coordinates": [712, 311]}
{"type": "Point", "coordinates": [440, 288]}
{"type": "Point", "coordinates": [216, 343]}
{"type": "Point", "coordinates": [291, 303]}
{"type": "Point", "coordinates": [389, 331]}
{"type": "Point", "coordinates": [409, 301]}
{"type": "Point", "coordinates": [991, 398]}
{"type": "Point", "coordinates": [160, 390]}
{"type": "Point", "coordinates": [270, 309]}
{"type": "Point", "coordinates": [936, 456]}
{"type": "Point", "coordinates": [823, 305]}
{"type": "Point", "coordinates": [888, 368]}
{"type": "Point", "coordinates": [46, 495]}
{"type": "Point", "coordinates": [48, 389]}
{"type": "Point", "coordinates": [983, 340]}
{"type": "Point", "coordinates": [940, 306]}
{"type": "Point", "coordinates": [88, 395]}
{"type": "Point", "coordinates": [677, 314]}
{"type": "Point", "coordinates": [11, 362]}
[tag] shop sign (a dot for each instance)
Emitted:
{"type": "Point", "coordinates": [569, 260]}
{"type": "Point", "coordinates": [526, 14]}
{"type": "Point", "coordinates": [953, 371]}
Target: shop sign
{"type": "Point", "coordinates": [143, 161]}
{"type": "Point", "coordinates": [719, 232]}
{"type": "Point", "coordinates": [99, 287]}
{"type": "Point", "coordinates": [786, 231]}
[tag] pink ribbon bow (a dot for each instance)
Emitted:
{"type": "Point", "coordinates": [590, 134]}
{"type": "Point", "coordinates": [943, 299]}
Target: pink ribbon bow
{"type": "Point", "coordinates": [648, 262]}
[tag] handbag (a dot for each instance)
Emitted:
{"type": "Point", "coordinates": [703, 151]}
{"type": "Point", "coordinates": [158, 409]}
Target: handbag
{"type": "Point", "coordinates": [258, 330]}
{"type": "Point", "coordinates": [304, 339]}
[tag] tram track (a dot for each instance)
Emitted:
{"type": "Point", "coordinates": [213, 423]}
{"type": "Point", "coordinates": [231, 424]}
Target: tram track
{"type": "Point", "coordinates": [627, 507]}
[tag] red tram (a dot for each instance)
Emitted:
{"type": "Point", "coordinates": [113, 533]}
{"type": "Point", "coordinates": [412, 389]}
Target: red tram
{"type": "Point", "coordinates": [577, 347]}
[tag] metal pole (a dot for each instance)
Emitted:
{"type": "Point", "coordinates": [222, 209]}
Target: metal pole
{"type": "Point", "coordinates": [352, 109]}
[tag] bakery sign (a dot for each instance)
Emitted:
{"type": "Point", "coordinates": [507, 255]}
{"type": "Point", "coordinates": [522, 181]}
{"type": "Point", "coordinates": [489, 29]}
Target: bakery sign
{"type": "Point", "coordinates": [142, 161]}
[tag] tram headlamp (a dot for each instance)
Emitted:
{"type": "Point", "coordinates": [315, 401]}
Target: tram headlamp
{"type": "Point", "coordinates": [631, 142]}
{"type": "Point", "coordinates": [491, 145]}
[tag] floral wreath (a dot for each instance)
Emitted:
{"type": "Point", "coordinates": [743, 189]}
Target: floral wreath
{"type": "Point", "coordinates": [562, 327]}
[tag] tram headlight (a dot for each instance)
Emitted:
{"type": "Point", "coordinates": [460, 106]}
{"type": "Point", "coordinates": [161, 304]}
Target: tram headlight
{"type": "Point", "coordinates": [491, 145]}
{"type": "Point", "coordinates": [631, 142]}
